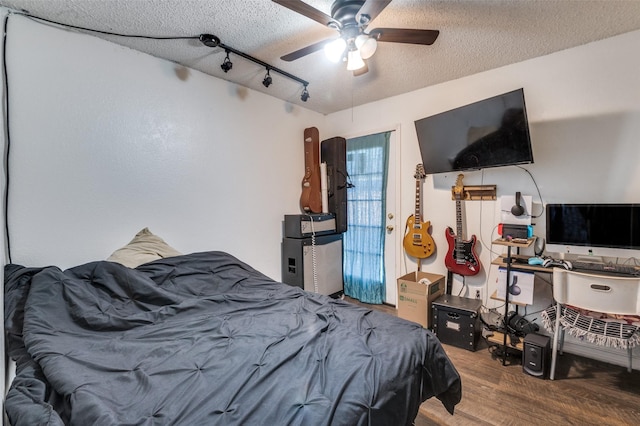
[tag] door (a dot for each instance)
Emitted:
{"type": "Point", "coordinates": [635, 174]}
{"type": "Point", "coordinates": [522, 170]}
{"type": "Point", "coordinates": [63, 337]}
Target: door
{"type": "Point", "coordinates": [371, 242]}
{"type": "Point", "coordinates": [394, 234]}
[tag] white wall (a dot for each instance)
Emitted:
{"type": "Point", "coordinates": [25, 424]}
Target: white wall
{"type": "Point", "coordinates": [583, 105]}
{"type": "Point", "coordinates": [107, 140]}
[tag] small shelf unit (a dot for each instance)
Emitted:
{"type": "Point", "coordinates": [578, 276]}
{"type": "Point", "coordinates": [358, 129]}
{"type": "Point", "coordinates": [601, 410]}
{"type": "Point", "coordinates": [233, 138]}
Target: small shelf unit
{"type": "Point", "coordinates": [508, 263]}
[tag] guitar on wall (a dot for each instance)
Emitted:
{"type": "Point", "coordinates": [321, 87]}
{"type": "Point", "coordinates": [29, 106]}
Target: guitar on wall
{"type": "Point", "coordinates": [461, 257]}
{"type": "Point", "coordinates": [417, 241]}
{"type": "Point", "coordinates": [311, 198]}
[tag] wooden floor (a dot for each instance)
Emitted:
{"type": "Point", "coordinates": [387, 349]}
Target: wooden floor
{"type": "Point", "coordinates": [585, 392]}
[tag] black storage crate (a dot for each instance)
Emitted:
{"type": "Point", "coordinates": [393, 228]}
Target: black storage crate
{"type": "Point", "coordinates": [456, 321]}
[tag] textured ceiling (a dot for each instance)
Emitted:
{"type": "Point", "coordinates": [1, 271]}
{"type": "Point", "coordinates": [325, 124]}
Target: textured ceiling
{"type": "Point", "coordinates": [475, 35]}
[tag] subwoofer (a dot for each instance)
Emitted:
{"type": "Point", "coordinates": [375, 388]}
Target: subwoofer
{"type": "Point", "coordinates": [535, 355]}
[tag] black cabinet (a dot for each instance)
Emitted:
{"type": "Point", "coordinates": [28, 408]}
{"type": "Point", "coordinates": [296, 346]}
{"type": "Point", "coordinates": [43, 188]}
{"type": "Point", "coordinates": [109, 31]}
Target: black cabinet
{"type": "Point", "coordinates": [456, 321]}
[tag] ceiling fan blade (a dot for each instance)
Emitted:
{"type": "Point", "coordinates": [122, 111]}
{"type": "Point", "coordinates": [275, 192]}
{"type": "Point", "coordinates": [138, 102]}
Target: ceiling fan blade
{"type": "Point", "coordinates": [371, 8]}
{"type": "Point", "coordinates": [401, 35]}
{"type": "Point", "coordinates": [305, 51]}
{"type": "Point", "coordinates": [306, 10]}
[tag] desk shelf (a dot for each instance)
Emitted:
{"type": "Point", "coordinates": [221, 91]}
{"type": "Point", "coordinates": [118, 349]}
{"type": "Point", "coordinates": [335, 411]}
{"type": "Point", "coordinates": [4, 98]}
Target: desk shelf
{"type": "Point", "coordinates": [512, 243]}
{"type": "Point", "coordinates": [520, 263]}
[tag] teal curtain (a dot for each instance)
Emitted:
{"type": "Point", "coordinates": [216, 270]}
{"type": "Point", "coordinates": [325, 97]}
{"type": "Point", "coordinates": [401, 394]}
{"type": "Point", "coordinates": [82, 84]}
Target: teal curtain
{"type": "Point", "coordinates": [367, 166]}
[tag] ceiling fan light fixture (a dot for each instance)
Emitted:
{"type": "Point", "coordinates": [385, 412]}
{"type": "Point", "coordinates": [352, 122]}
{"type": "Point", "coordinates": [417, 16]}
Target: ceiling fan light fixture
{"type": "Point", "coordinates": [360, 40]}
{"type": "Point", "coordinates": [350, 18]}
{"type": "Point", "coordinates": [354, 60]}
{"type": "Point", "coordinates": [335, 49]}
{"type": "Point", "coordinates": [368, 47]}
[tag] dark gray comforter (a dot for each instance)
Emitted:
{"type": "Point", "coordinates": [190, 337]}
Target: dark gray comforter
{"type": "Point", "coordinates": [205, 339]}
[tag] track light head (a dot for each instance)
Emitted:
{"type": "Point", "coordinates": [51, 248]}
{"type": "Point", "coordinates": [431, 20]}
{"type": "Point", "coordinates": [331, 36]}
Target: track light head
{"type": "Point", "coordinates": [305, 94]}
{"type": "Point", "coordinates": [227, 64]}
{"type": "Point", "coordinates": [267, 79]}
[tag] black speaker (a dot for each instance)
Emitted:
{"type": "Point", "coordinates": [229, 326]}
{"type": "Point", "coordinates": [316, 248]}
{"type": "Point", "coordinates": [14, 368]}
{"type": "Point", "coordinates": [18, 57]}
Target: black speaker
{"type": "Point", "coordinates": [535, 355]}
{"type": "Point", "coordinates": [314, 264]}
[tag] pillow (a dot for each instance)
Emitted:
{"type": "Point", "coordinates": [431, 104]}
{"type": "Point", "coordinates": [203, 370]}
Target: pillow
{"type": "Point", "coordinates": [145, 247]}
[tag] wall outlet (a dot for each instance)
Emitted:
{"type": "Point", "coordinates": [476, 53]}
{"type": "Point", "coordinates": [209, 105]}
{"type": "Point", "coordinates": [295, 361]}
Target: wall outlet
{"type": "Point", "coordinates": [477, 293]}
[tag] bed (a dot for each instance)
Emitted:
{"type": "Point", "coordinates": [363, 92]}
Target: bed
{"type": "Point", "coordinates": [204, 338]}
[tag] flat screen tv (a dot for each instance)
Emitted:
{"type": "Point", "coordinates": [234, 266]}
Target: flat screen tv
{"type": "Point", "coordinates": [594, 225]}
{"type": "Point", "coordinates": [489, 133]}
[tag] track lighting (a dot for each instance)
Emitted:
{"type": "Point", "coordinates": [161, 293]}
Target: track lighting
{"type": "Point", "coordinates": [227, 64]}
{"type": "Point", "coordinates": [267, 79]}
{"type": "Point", "coordinates": [305, 94]}
{"type": "Point", "coordinates": [212, 41]}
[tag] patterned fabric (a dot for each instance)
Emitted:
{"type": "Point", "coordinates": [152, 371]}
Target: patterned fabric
{"type": "Point", "coordinates": [629, 319]}
{"type": "Point", "coordinates": [616, 333]}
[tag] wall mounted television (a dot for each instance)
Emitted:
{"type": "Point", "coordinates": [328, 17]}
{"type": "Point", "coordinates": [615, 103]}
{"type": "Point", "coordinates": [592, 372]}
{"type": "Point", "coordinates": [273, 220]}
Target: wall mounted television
{"type": "Point", "coordinates": [594, 225]}
{"type": "Point", "coordinates": [489, 133]}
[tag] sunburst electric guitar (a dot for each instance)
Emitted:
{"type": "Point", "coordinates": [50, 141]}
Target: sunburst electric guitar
{"type": "Point", "coordinates": [461, 257]}
{"type": "Point", "coordinates": [417, 241]}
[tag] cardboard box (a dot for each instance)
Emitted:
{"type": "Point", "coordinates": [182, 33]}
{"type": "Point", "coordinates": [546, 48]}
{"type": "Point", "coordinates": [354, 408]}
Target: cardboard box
{"type": "Point", "coordinates": [520, 287]}
{"type": "Point", "coordinates": [415, 297]}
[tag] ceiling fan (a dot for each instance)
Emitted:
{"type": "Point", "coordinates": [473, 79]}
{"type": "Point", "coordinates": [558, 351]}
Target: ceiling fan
{"type": "Point", "coordinates": [355, 44]}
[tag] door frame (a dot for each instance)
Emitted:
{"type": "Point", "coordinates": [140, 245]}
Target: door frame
{"type": "Point", "coordinates": [391, 290]}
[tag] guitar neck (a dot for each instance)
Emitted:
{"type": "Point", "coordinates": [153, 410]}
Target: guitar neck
{"type": "Point", "coordinates": [417, 215]}
{"type": "Point", "coordinates": [459, 239]}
